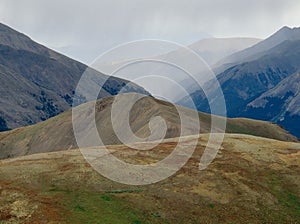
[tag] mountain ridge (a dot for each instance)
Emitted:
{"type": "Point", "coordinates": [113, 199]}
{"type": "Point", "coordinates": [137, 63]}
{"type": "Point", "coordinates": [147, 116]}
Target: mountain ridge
{"type": "Point", "coordinates": [248, 54]}
{"type": "Point", "coordinates": [38, 83]}
{"type": "Point", "coordinates": [57, 133]}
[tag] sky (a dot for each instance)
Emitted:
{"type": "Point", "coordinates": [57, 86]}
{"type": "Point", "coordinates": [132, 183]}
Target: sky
{"type": "Point", "coordinates": [85, 29]}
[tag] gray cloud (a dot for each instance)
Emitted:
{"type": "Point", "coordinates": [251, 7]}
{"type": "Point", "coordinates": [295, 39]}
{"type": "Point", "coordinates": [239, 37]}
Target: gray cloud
{"type": "Point", "coordinates": [86, 28]}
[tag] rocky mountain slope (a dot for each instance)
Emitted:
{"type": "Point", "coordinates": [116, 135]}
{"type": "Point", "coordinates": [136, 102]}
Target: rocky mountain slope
{"type": "Point", "coordinates": [38, 83]}
{"type": "Point", "coordinates": [280, 104]}
{"type": "Point", "coordinates": [252, 180]}
{"type": "Point", "coordinates": [57, 133]}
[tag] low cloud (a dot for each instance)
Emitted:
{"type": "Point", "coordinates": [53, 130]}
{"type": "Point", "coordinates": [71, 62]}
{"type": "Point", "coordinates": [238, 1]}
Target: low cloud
{"type": "Point", "coordinates": [86, 28]}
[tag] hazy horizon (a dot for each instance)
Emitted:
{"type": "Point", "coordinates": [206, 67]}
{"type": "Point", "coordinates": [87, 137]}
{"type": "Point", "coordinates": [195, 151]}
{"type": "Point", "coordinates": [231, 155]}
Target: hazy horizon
{"type": "Point", "coordinates": [84, 30]}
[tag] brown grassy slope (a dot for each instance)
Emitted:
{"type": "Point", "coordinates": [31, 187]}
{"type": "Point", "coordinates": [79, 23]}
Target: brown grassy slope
{"type": "Point", "coordinates": [252, 180]}
{"type": "Point", "coordinates": [57, 133]}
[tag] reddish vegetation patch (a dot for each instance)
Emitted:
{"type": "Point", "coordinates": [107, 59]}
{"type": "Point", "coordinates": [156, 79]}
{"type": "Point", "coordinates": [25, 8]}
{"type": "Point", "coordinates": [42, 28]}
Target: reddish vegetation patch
{"type": "Point", "coordinates": [5, 215]}
{"type": "Point", "coordinates": [5, 184]}
{"type": "Point", "coordinates": [67, 167]}
{"type": "Point", "coordinates": [47, 209]}
{"type": "Point", "coordinates": [170, 144]}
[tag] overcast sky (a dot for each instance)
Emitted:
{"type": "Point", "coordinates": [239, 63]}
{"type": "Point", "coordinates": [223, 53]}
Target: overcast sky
{"type": "Point", "coordinates": [86, 28]}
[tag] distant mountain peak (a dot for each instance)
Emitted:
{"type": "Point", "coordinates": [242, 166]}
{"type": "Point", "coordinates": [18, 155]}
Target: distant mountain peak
{"type": "Point", "coordinates": [287, 33]}
{"type": "Point", "coordinates": [284, 34]}
{"type": "Point", "coordinates": [285, 28]}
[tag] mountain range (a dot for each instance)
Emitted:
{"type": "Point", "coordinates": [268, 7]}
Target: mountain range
{"type": "Point", "coordinates": [38, 83]}
{"type": "Point", "coordinates": [255, 73]}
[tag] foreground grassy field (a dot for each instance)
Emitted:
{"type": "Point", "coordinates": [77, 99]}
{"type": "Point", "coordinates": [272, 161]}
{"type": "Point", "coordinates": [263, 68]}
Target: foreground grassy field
{"type": "Point", "coordinates": [252, 180]}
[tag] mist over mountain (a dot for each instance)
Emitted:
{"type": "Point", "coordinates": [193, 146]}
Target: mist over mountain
{"type": "Point", "coordinates": [214, 49]}
{"type": "Point", "coordinates": [172, 64]}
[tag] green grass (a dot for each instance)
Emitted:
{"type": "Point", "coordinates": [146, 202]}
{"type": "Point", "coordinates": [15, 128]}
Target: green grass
{"type": "Point", "coordinates": [123, 191]}
{"type": "Point", "coordinates": [137, 222]}
{"type": "Point", "coordinates": [156, 214]}
{"type": "Point", "coordinates": [106, 198]}
{"type": "Point", "coordinates": [284, 192]}
{"type": "Point", "coordinates": [293, 201]}
{"type": "Point", "coordinates": [59, 190]}
{"type": "Point", "coordinates": [89, 207]}
{"type": "Point", "coordinates": [211, 206]}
